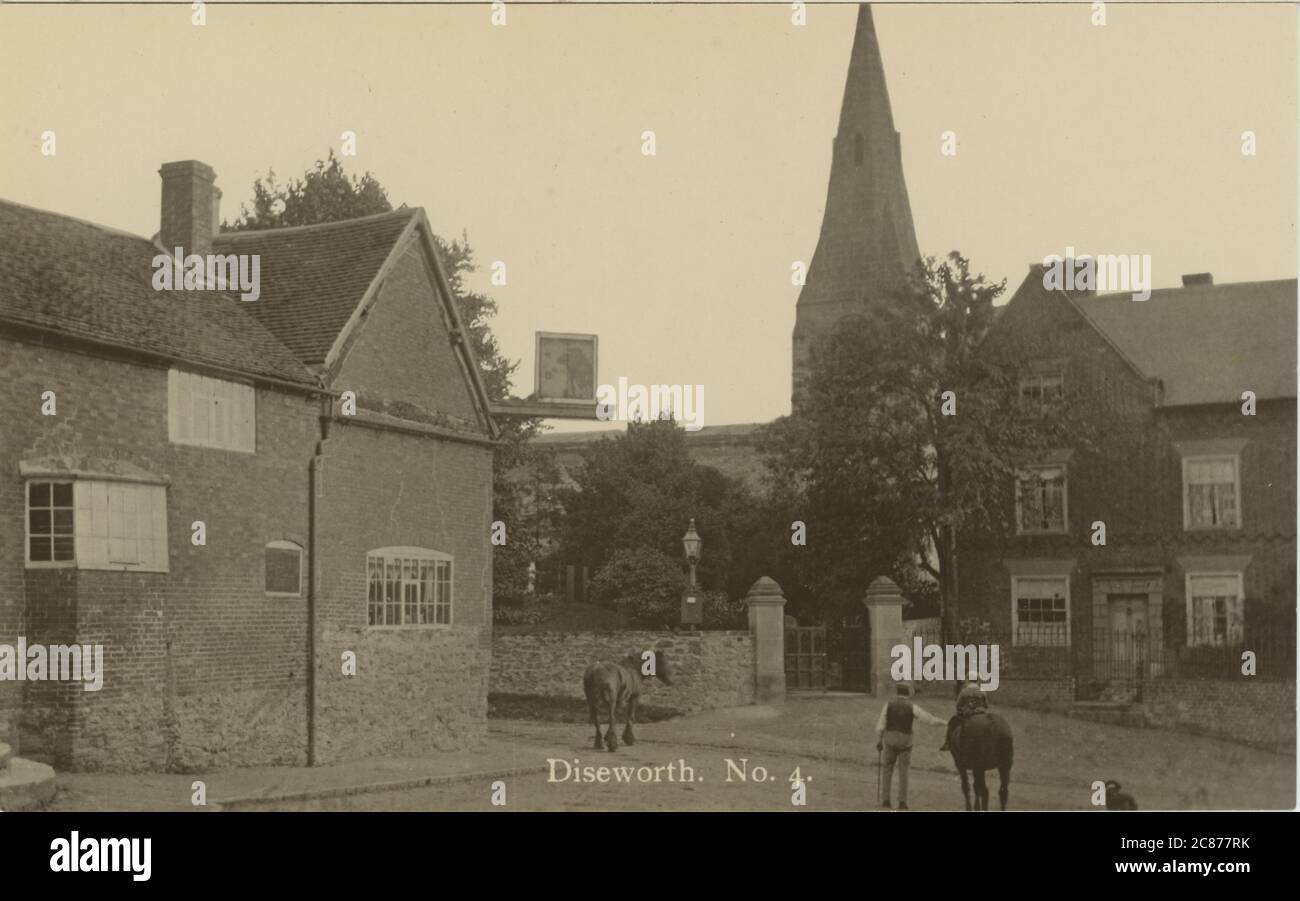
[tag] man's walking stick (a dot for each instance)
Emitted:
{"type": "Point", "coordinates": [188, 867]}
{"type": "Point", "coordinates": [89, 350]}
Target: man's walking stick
{"type": "Point", "coordinates": [879, 765]}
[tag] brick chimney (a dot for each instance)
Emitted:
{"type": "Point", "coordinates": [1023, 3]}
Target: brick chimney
{"type": "Point", "coordinates": [1198, 278]}
{"type": "Point", "coordinates": [191, 206]}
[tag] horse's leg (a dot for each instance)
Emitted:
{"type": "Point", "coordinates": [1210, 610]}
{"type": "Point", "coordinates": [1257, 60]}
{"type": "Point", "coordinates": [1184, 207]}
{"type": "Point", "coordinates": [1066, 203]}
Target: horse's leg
{"type": "Point", "coordinates": [981, 791]}
{"type": "Point", "coordinates": [595, 719]}
{"type": "Point", "coordinates": [965, 787]}
{"type": "Point", "coordinates": [611, 737]}
{"type": "Point", "coordinates": [1004, 774]}
{"type": "Point", "coordinates": [628, 737]}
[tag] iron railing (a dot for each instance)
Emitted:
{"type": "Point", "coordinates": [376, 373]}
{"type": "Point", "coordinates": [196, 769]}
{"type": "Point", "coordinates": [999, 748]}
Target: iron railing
{"type": "Point", "coordinates": [1048, 651]}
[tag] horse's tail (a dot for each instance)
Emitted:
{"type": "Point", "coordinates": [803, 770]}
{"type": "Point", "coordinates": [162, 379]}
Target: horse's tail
{"type": "Point", "coordinates": [1006, 743]}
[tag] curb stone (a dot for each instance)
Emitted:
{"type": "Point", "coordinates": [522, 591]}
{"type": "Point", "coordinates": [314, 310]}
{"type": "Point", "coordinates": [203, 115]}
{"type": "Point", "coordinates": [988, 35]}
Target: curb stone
{"type": "Point", "coordinates": [344, 791]}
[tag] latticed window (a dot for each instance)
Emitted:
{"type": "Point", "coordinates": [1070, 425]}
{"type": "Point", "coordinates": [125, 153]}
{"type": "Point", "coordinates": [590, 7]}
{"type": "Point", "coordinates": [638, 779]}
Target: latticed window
{"type": "Point", "coordinates": [408, 587]}
{"type": "Point", "coordinates": [1042, 611]}
{"type": "Point", "coordinates": [1210, 492]}
{"type": "Point", "coordinates": [97, 525]}
{"type": "Point", "coordinates": [1214, 610]}
{"type": "Point", "coordinates": [1042, 390]}
{"type": "Point", "coordinates": [1041, 499]}
{"type": "Point", "coordinates": [50, 522]}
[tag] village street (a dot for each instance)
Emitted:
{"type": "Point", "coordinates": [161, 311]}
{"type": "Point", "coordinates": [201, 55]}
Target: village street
{"type": "Point", "coordinates": [828, 739]}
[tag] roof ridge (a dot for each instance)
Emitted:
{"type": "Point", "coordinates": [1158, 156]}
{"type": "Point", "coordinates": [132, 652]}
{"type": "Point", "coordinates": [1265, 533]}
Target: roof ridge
{"type": "Point", "coordinates": [108, 229]}
{"type": "Point", "coordinates": [1110, 295]}
{"type": "Point", "coordinates": [316, 226]}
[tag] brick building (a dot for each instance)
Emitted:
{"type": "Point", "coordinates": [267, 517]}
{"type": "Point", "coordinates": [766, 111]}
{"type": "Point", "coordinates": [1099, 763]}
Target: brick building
{"type": "Point", "coordinates": [328, 532]}
{"type": "Point", "coordinates": [1198, 499]}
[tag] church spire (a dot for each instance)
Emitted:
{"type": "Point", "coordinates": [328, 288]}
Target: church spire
{"type": "Point", "coordinates": [867, 242]}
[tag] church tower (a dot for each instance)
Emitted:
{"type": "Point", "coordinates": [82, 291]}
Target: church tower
{"type": "Point", "coordinates": [867, 243]}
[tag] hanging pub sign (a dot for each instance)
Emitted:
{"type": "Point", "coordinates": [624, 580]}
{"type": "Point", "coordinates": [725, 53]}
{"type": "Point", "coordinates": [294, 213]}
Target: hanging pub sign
{"type": "Point", "coordinates": [566, 367]}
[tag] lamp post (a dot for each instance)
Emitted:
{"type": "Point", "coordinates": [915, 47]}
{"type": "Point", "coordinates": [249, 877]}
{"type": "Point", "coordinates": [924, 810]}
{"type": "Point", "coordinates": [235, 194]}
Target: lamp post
{"type": "Point", "coordinates": [692, 544]}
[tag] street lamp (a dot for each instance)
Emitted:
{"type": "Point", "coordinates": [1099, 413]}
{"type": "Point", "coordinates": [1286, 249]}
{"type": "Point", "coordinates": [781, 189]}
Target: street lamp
{"type": "Point", "coordinates": [692, 544]}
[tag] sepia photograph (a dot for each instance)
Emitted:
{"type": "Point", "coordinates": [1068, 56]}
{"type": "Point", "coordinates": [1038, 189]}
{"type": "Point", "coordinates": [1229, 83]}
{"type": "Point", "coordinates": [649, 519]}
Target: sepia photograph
{"type": "Point", "coordinates": [355, 453]}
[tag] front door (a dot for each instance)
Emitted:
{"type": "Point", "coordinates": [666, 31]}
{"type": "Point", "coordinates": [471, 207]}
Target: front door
{"type": "Point", "coordinates": [1128, 635]}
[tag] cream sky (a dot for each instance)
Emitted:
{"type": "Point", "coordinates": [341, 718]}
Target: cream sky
{"type": "Point", "coordinates": [1124, 138]}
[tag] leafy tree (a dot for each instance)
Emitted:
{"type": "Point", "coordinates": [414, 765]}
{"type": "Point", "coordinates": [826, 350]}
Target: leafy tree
{"type": "Point", "coordinates": [323, 194]}
{"type": "Point", "coordinates": [888, 465]}
{"type": "Point", "coordinates": [645, 585]}
{"type": "Point", "coordinates": [639, 490]}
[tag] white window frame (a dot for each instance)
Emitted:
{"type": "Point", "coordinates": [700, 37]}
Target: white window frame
{"type": "Point", "coordinates": [1188, 602]}
{"type": "Point", "coordinates": [1039, 378]}
{"type": "Point", "coordinates": [1015, 609]}
{"type": "Point", "coordinates": [415, 554]}
{"type": "Point", "coordinates": [284, 546]}
{"type": "Point", "coordinates": [240, 431]}
{"type": "Point", "coordinates": [27, 524]}
{"type": "Point", "coordinates": [1187, 506]}
{"type": "Point", "coordinates": [152, 530]}
{"type": "Point", "coordinates": [1065, 499]}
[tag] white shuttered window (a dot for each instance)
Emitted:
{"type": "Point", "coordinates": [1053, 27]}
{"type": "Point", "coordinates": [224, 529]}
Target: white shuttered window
{"type": "Point", "coordinates": [121, 525]}
{"type": "Point", "coordinates": [210, 412]}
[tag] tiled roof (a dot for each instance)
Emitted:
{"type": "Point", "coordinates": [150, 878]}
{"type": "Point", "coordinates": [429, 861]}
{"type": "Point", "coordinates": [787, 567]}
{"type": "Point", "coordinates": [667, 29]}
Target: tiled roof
{"type": "Point", "coordinates": [86, 281]}
{"type": "Point", "coordinates": [313, 276]}
{"type": "Point", "coordinates": [1206, 343]}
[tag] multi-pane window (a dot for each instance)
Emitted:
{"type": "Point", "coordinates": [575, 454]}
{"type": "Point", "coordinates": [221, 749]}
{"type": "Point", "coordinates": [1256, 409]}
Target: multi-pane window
{"type": "Point", "coordinates": [1211, 489]}
{"type": "Point", "coordinates": [284, 569]}
{"type": "Point", "coordinates": [408, 587]}
{"type": "Point", "coordinates": [210, 412]}
{"type": "Point", "coordinates": [1214, 609]}
{"type": "Point", "coordinates": [1041, 390]}
{"type": "Point", "coordinates": [1042, 611]}
{"type": "Point", "coordinates": [1041, 499]}
{"type": "Point", "coordinates": [97, 525]}
{"type": "Point", "coordinates": [50, 537]}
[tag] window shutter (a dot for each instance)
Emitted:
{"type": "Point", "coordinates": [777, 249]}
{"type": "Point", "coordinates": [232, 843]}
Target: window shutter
{"type": "Point", "coordinates": [211, 412]}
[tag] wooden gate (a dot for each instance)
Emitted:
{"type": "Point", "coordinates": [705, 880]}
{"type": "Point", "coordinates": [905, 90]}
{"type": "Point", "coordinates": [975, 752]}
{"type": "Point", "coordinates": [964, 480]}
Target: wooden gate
{"type": "Point", "coordinates": [805, 657]}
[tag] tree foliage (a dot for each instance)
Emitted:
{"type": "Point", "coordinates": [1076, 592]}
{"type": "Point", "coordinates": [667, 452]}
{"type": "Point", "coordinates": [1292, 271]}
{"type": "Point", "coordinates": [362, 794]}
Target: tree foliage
{"type": "Point", "coordinates": [639, 490]}
{"type": "Point", "coordinates": [324, 194]}
{"type": "Point", "coordinates": [886, 476]}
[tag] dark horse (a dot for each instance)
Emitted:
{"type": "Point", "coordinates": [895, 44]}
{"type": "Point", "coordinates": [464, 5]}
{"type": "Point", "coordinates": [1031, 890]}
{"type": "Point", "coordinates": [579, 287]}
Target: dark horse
{"type": "Point", "coordinates": [981, 742]}
{"type": "Point", "coordinates": [609, 686]}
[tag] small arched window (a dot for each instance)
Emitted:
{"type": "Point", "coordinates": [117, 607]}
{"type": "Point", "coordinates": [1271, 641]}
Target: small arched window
{"type": "Point", "coordinates": [858, 150]}
{"type": "Point", "coordinates": [284, 569]}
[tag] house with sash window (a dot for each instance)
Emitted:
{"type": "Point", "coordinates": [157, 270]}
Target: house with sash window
{"type": "Point", "coordinates": [271, 515]}
{"type": "Point", "coordinates": [1170, 540]}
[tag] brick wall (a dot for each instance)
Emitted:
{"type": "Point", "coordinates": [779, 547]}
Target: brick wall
{"type": "Point", "coordinates": [403, 350]}
{"type": "Point", "coordinates": [1132, 481]}
{"type": "Point", "coordinates": [1040, 694]}
{"type": "Point", "coordinates": [415, 691]}
{"type": "Point", "coordinates": [1257, 713]}
{"type": "Point", "coordinates": [710, 669]}
{"type": "Point", "coordinates": [201, 666]}
{"type": "Point", "coordinates": [1056, 694]}
{"type": "Point", "coordinates": [417, 688]}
